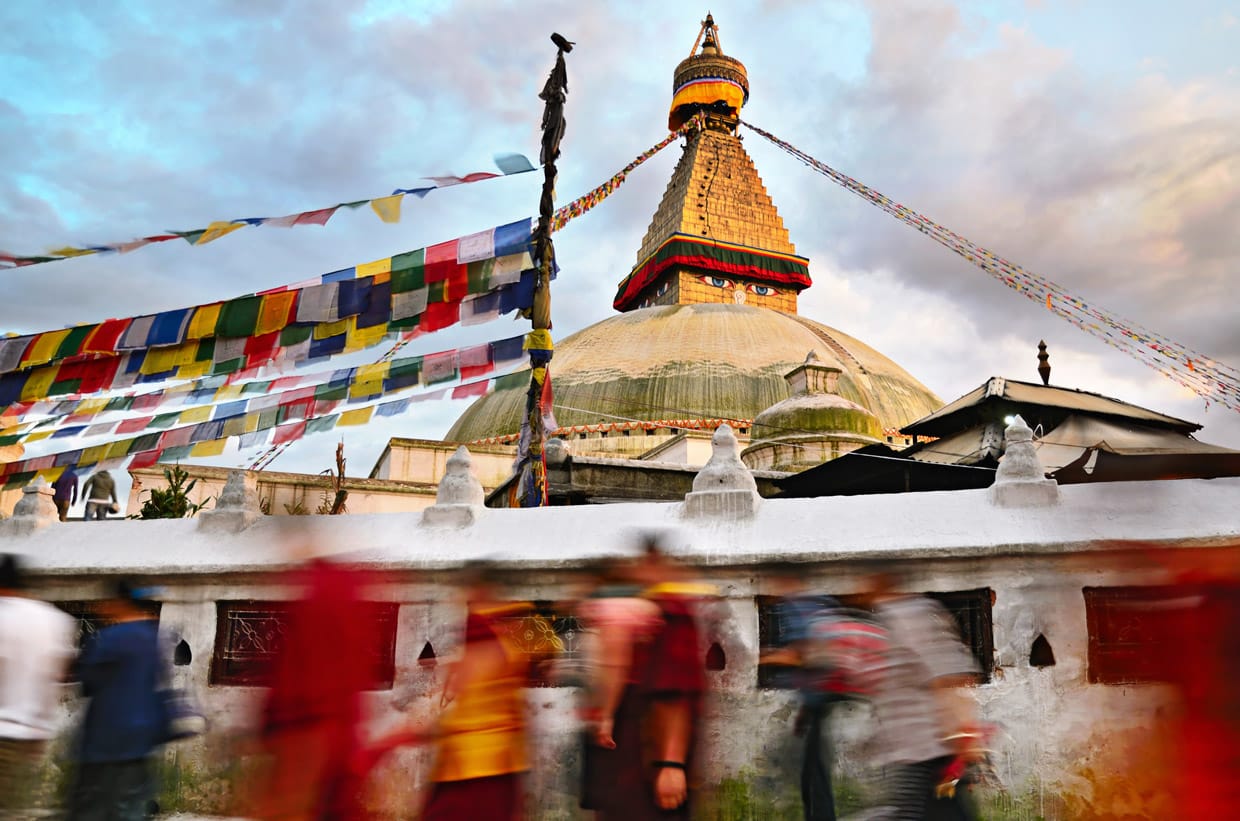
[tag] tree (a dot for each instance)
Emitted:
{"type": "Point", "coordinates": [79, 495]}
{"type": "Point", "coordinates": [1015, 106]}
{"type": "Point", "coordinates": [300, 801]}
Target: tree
{"type": "Point", "coordinates": [173, 501]}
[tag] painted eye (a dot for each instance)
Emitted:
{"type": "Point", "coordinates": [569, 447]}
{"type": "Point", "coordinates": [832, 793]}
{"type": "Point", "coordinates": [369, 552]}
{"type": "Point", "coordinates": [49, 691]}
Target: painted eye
{"type": "Point", "coordinates": [717, 282]}
{"type": "Point", "coordinates": [762, 290]}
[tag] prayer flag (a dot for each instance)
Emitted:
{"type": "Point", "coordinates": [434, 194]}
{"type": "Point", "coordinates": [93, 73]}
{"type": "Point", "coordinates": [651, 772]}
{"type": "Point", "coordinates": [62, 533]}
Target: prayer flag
{"type": "Point", "coordinates": [388, 208]}
{"type": "Point", "coordinates": [360, 416]}
{"type": "Point", "coordinates": [513, 163]}
{"type": "Point", "coordinates": [211, 448]}
{"type": "Point", "coordinates": [476, 246]}
{"type": "Point", "coordinates": [216, 230]}
{"type": "Point", "coordinates": [319, 217]}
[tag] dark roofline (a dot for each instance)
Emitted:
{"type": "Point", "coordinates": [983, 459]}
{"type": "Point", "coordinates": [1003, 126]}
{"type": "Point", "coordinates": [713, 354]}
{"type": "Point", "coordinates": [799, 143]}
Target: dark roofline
{"type": "Point", "coordinates": [964, 412]}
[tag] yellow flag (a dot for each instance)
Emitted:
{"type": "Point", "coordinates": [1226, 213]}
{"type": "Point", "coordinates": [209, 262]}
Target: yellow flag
{"type": "Point", "coordinates": [71, 252]}
{"type": "Point", "coordinates": [194, 415]}
{"type": "Point", "coordinates": [388, 208]}
{"type": "Point", "coordinates": [39, 383]}
{"type": "Point", "coordinates": [360, 416]}
{"type": "Point", "coordinates": [360, 389]}
{"type": "Point", "coordinates": [380, 269]}
{"type": "Point", "coordinates": [213, 448]}
{"type": "Point", "coordinates": [44, 347]}
{"type": "Point", "coordinates": [328, 329]}
{"type": "Point", "coordinates": [218, 229]}
{"type": "Point", "coordinates": [203, 323]}
{"type": "Point", "coordinates": [51, 474]}
{"type": "Point", "coordinates": [39, 435]}
{"type": "Point", "coordinates": [93, 454]}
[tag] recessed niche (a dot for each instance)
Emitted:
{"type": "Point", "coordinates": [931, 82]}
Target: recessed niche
{"type": "Point", "coordinates": [181, 655]}
{"type": "Point", "coordinates": [716, 659]}
{"type": "Point", "coordinates": [427, 657]}
{"type": "Point", "coordinates": [1041, 654]}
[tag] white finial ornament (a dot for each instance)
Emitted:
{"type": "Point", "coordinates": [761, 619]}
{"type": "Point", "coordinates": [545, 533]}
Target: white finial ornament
{"type": "Point", "coordinates": [724, 487]}
{"type": "Point", "coordinates": [237, 506]}
{"type": "Point", "coordinates": [460, 497]}
{"type": "Point", "coordinates": [1021, 479]}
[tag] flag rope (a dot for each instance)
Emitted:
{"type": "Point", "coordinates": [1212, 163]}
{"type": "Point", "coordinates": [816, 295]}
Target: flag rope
{"type": "Point", "coordinates": [1205, 376]}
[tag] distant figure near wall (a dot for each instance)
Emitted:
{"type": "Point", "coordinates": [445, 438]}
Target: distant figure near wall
{"type": "Point", "coordinates": [100, 493]}
{"type": "Point", "coordinates": [65, 492]}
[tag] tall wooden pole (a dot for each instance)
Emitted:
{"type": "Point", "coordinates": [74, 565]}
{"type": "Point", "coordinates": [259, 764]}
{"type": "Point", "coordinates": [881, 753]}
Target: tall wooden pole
{"type": "Point", "coordinates": [531, 462]}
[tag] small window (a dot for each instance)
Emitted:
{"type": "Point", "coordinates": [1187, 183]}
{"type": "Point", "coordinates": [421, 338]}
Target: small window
{"type": "Point", "coordinates": [716, 659]}
{"type": "Point", "coordinates": [1130, 633]}
{"type": "Point", "coordinates": [426, 659]}
{"type": "Point", "coordinates": [971, 609]}
{"type": "Point", "coordinates": [90, 620]}
{"type": "Point", "coordinates": [249, 634]}
{"type": "Point", "coordinates": [549, 636]}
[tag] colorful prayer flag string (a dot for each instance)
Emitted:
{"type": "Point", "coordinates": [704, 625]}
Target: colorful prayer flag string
{"type": "Point", "coordinates": [469, 280]}
{"type": "Point", "coordinates": [1205, 376]}
{"type": "Point", "coordinates": [313, 407]}
{"type": "Point", "coordinates": [587, 201]}
{"type": "Point", "coordinates": [387, 208]}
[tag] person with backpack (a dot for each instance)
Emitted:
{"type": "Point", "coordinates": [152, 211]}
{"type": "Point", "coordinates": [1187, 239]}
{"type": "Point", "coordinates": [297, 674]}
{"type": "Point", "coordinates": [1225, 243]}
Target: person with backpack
{"type": "Point", "coordinates": [830, 654]}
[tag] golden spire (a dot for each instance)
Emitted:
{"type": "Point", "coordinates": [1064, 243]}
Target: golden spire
{"type": "Point", "coordinates": [708, 80]}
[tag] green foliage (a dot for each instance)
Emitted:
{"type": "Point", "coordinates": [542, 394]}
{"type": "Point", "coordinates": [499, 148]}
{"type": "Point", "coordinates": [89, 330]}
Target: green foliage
{"type": "Point", "coordinates": [173, 501]}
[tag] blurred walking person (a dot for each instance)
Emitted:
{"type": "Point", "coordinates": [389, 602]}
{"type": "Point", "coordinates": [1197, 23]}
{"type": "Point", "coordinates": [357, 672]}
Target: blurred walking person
{"type": "Point", "coordinates": [928, 725]}
{"type": "Point", "coordinates": [830, 654]}
{"type": "Point", "coordinates": [482, 737]}
{"type": "Point", "coordinates": [121, 672]}
{"type": "Point", "coordinates": [65, 492]}
{"type": "Point", "coordinates": [36, 646]}
{"type": "Point", "coordinates": [310, 725]}
{"type": "Point", "coordinates": [641, 768]}
{"type": "Point", "coordinates": [100, 494]}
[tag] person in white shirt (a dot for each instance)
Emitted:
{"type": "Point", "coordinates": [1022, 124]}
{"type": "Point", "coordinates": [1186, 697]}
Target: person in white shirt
{"type": "Point", "coordinates": [36, 648]}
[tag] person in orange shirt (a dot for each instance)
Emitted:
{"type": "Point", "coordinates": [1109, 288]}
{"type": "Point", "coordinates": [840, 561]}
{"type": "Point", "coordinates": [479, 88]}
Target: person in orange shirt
{"type": "Point", "coordinates": [481, 736]}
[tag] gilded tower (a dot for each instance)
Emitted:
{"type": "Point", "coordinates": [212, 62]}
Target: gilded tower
{"type": "Point", "coordinates": [716, 236]}
{"type": "Point", "coordinates": [708, 323]}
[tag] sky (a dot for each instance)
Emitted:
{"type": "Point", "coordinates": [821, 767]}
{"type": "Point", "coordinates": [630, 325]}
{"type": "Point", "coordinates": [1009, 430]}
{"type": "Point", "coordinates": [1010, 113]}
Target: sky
{"type": "Point", "coordinates": [1097, 144]}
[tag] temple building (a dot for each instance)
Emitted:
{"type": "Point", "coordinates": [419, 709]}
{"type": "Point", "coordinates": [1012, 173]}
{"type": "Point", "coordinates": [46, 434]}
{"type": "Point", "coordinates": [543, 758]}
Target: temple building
{"type": "Point", "coordinates": [708, 324]}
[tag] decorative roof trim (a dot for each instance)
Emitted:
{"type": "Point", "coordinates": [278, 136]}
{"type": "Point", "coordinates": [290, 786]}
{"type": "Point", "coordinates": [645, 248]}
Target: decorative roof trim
{"type": "Point", "coordinates": [712, 255]}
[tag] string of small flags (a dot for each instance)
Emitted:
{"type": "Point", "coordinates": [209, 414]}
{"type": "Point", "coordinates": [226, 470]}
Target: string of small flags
{"type": "Point", "coordinates": [1207, 377]}
{"type": "Point", "coordinates": [387, 208]}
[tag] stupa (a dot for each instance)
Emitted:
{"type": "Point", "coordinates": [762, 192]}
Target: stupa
{"type": "Point", "coordinates": [708, 321]}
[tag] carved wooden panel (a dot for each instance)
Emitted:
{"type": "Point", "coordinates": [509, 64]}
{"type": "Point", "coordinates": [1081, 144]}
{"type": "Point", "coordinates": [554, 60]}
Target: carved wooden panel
{"type": "Point", "coordinates": [249, 634]}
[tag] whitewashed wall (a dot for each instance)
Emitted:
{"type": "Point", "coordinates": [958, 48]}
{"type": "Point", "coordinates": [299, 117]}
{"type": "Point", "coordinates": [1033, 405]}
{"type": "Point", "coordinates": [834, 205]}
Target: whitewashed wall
{"type": "Point", "coordinates": [1059, 731]}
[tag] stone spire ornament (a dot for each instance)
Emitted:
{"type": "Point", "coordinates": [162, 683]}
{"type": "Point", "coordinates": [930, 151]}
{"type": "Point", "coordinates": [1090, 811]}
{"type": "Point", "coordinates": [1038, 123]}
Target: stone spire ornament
{"type": "Point", "coordinates": [724, 488]}
{"type": "Point", "coordinates": [35, 509]}
{"type": "Point", "coordinates": [460, 497]}
{"type": "Point", "coordinates": [237, 506]}
{"type": "Point", "coordinates": [1021, 480]}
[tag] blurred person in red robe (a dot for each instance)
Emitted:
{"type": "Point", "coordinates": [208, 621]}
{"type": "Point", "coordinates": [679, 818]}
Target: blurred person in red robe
{"type": "Point", "coordinates": [1199, 645]}
{"type": "Point", "coordinates": [641, 768]}
{"type": "Point", "coordinates": [310, 724]}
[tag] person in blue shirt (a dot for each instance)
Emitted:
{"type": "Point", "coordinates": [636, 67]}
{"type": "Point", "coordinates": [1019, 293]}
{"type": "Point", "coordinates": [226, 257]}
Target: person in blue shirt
{"type": "Point", "coordinates": [121, 673]}
{"type": "Point", "coordinates": [795, 612]}
{"type": "Point", "coordinates": [65, 492]}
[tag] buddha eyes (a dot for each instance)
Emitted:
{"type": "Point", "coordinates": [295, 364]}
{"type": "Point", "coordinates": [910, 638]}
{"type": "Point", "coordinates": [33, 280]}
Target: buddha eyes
{"type": "Point", "coordinates": [753, 288]}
